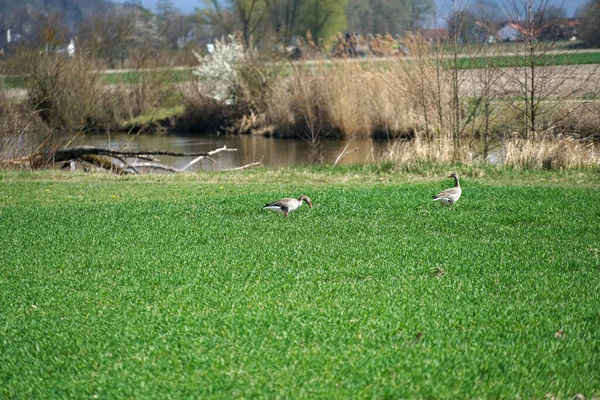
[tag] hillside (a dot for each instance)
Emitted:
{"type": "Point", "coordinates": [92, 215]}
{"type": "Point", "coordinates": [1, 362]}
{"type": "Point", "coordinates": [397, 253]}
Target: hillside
{"type": "Point", "coordinates": [21, 17]}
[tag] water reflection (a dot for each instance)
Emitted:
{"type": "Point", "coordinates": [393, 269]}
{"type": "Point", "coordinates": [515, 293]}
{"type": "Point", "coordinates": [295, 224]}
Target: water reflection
{"type": "Point", "coordinates": [272, 152]}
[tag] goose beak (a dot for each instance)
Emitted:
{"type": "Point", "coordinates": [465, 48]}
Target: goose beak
{"type": "Point", "coordinates": [309, 204]}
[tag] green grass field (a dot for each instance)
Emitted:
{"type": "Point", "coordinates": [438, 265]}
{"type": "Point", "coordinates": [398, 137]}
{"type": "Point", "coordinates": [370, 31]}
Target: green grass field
{"type": "Point", "coordinates": [514, 61]}
{"type": "Point", "coordinates": [130, 77]}
{"type": "Point", "coordinates": [183, 287]}
{"type": "Point", "coordinates": [114, 78]}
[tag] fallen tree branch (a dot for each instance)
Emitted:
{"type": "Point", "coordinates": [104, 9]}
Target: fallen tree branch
{"type": "Point", "coordinates": [102, 162]}
{"type": "Point", "coordinates": [344, 152]}
{"type": "Point", "coordinates": [155, 165]}
{"type": "Point", "coordinates": [76, 151]}
{"type": "Point", "coordinates": [106, 159]}
{"type": "Point", "coordinates": [126, 164]}
{"type": "Point", "coordinates": [194, 161]}
{"type": "Point", "coordinates": [254, 164]}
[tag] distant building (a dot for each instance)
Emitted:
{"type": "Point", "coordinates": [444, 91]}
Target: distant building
{"type": "Point", "coordinates": [509, 32]}
{"type": "Point", "coordinates": [435, 35]}
{"type": "Point", "coordinates": [485, 32]}
{"type": "Point", "coordinates": [196, 37]}
{"type": "Point", "coordinates": [8, 40]}
{"type": "Point", "coordinates": [71, 48]}
{"type": "Point", "coordinates": [569, 27]}
{"type": "Point", "coordinates": [68, 50]}
{"type": "Point", "coordinates": [563, 28]}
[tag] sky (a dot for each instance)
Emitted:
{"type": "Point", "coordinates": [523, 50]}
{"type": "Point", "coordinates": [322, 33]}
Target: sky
{"type": "Point", "coordinates": [188, 6]}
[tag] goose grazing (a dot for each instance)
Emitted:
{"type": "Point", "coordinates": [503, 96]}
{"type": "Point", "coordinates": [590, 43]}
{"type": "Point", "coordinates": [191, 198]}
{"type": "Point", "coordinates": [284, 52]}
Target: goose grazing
{"type": "Point", "coordinates": [449, 196]}
{"type": "Point", "coordinates": [287, 205]}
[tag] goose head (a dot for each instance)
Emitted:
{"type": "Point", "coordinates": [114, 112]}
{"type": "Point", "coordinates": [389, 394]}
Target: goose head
{"type": "Point", "coordinates": [306, 200]}
{"type": "Point", "coordinates": [455, 177]}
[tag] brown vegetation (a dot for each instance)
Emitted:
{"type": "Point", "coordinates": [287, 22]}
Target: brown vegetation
{"type": "Point", "coordinates": [21, 129]}
{"type": "Point", "coordinates": [417, 150]}
{"type": "Point", "coordinates": [343, 100]}
{"type": "Point", "coordinates": [549, 153]}
{"type": "Point", "coordinates": [426, 97]}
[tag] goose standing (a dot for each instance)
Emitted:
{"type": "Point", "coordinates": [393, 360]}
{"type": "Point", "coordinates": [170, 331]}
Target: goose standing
{"type": "Point", "coordinates": [288, 205]}
{"type": "Point", "coordinates": [449, 196]}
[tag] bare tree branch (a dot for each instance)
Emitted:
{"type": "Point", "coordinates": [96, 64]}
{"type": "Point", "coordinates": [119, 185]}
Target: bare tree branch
{"type": "Point", "coordinates": [343, 153]}
{"type": "Point", "coordinates": [254, 164]}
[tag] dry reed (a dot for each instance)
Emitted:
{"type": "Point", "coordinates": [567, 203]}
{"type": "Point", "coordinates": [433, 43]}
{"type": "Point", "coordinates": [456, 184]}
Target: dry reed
{"type": "Point", "coordinates": [549, 153]}
{"type": "Point", "coordinates": [21, 130]}
{"type": "Point", "coordinates": [417, 150]}
{"type": "Point", "coordinates": [346, 100]}
{"type": "Point", "coordinates": [364, 97]}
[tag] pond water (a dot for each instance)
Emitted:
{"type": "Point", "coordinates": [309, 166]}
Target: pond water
{"type": "Point", "coordinates": [272, 152]}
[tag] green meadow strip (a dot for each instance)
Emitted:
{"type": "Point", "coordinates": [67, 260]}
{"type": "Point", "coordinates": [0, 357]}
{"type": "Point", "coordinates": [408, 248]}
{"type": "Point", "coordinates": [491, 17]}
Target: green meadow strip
{"type": "Point", "coordinates": [13, 82]}
{"type": "Point", "coordinates": [185, 75]}
{"type": "Point", "coordinates": [179, 287]}
{"type": "Point", "coordinates": [521, 61]}
{"type": "Point", "coordinates": [129, 77]}
{"type": "Point", "coordinates": [113, 78]}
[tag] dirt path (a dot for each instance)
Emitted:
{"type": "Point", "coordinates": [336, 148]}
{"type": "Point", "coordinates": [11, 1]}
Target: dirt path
{"type": "Point", "coordinates": [565, 81]}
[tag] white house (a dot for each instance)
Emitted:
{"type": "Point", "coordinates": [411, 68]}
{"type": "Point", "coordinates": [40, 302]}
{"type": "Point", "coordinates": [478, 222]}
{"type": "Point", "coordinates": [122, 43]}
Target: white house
{"type": "Point", "coordinates": [508, 33]}
{"type": "Point", "coordinates": [71, 48]}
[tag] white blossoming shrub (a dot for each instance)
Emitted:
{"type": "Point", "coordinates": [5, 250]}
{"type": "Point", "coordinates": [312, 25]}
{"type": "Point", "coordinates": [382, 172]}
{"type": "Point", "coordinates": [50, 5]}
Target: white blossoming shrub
{"type": "Point", "coordinates": [218, 69]}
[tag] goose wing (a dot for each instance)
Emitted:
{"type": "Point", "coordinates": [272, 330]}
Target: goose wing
{"type": "Point", "coordinates": [284, 204]}
{"type": "Point", "coordinates": [452, 193]}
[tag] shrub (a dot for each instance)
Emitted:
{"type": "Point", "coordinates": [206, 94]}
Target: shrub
{"type": "Point", "coordinates": [64, 92]}
{"type": "Point", "coordinates": [21, 130]}
{"type": "Point", "coordinates": [218, 69]}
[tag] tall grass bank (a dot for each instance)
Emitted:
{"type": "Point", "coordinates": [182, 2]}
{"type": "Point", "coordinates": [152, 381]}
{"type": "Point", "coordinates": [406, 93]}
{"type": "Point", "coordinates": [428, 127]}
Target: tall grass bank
{"type": "Point", "coordinates": [424, 94]}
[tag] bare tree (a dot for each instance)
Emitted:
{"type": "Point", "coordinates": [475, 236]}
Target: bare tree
{"type": "Point", "coordinates": [250, 17]}
{"type": "Point", "coordinates": [172, 25]}
{"type": "Point", "coordinates": [418, 71]}
{"type": "Point", "coordinates": [459, 45]}
{"type": "Point", "coordinates": [437, 54]}
{"type": "Point", "coordinates": [488, 15]}
{"type": "Point", "coordinates": [220, 20]}
{"type": "Point", "coordinates": [108, 35]}
{"type": "Point", "coordinates": [283, 15]}
{"type": "Point", "coordinates": [539, 88]}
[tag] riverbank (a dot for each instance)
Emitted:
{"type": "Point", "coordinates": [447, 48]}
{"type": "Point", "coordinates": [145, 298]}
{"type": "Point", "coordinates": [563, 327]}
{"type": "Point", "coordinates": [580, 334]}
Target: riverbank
{"type": "Point", "coordinates": [368, 174]}
{"type": "Point", "coordinates": [444, 113]}
{"type": "Point", "coordinates": [379, 98]}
